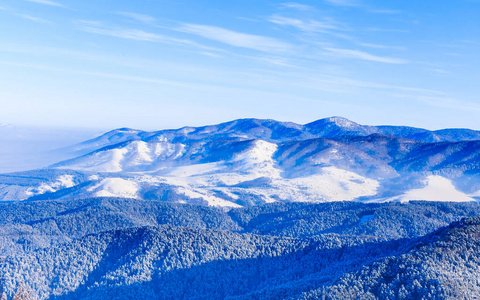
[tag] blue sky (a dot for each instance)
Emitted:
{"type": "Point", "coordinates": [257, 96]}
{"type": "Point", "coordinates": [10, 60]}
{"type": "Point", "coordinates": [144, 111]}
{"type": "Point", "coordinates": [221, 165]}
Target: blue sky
{"type": "Point", "coordinates": [153, 64]}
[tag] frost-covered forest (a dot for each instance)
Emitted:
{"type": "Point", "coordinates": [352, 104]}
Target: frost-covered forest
{"type": "Point", "coordinates": [114, 248]}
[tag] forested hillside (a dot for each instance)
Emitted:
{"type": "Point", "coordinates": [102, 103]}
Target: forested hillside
{"type": "Point", "coordinates": [103, 248]}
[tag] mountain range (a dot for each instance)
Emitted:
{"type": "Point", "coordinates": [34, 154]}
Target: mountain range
{"type": "Point", "coordinates": [248, 209]}
{"type": "Point", "coordinates": [250, 161]}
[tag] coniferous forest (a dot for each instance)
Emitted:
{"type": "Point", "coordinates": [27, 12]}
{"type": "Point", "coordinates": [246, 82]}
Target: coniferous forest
{"type": "Point", "coordinates": [114, 248]}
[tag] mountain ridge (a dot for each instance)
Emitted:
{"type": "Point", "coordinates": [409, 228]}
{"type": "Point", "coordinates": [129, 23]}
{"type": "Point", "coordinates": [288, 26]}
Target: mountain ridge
{"type": "Point", "coordinates": [254, 161]}
{"type": "Point", "coordinates": [337, 122]}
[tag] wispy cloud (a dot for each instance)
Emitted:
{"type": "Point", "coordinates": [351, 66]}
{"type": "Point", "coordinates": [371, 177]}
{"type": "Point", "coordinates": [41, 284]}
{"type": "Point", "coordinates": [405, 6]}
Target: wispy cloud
{"type": "Point", "coordinates": [364, 6]}
{"type": "Point", "coordinates": [112, 59]}
{"type": "Point", "coordinates": [329, 26]}
{"type": "Point", "coordinates": [137, 35]}
{"type": "Point", "coordinates": [440, 71]}
{"type": "Point", "coordinates": [454, 54]}
{"type": "Point", "coordinates": [355, 54]}
{"type": "Point", "coordinates": [25, 16]}
{"type": "Point", "coordinates": [275, 60]}
{"type": "Point", "coordinates": [379, 46]}
{"type": "Point", "coordinates": [210, 54]}
{"type": "Point", "coordinates": [47, 2]}
{"type": "Point", "coordinates": [32, 18]}
{"type": "Point", "coordinates": [104, 75]}
{"type": "Point", "coordinates": [369, 45]}
{"type": "Point", "coordinates": [297, 6]}
{"type": "Point", "coordinates": [249, 19]}
{"type": "Point", "coordinates": [308, 25]}
{"type": "Point", "coordinates": [129, 34]}
{"type": "Point", "coordinates": [385, 11]}
{"type": "Point", "coordinates": [375, 29]}
{"type": "Point", "coordinates": [376, 85]}
{"type": "Point", "coordinates": [237, 39]}
{"type": "Point", "coordinates": [344, 2]}
{"type": "Point", "coordinates": [138, 17]}
{"type": "Point", "coordinates": [450, 103]}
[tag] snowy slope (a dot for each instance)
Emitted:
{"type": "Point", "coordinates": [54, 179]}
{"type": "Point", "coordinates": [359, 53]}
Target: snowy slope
{"type": "Point", "coordinates": [249, 162]}
{"type": "Point", "coordinates": [437, 188]}
{"type": "Point", "coordinates": [241, 173]}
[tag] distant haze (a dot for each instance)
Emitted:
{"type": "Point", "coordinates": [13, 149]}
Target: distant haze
{"type": "Point", "coordinates": [25, 148]}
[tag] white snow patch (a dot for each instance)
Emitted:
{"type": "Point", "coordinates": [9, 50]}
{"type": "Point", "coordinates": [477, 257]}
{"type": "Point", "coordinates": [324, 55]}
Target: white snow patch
{"type": "Point", "coordinates": [63, 181]}
{"type": "Point", "coordinates": [192, 170]}
{"type": "Point", "coordinates": [262, 151]}
{"type": "Point", "coordinates": [104, 161]}
{"type": "Point", "coordinates": [210, 199]}
{"type": "Point", "coordinates": [164, 149]}
{"type": "Point", "coordinates": [437, 188]}
{"type": "Point", "coordinates": [187, 130]}
{"type": "Point", "coordinates": [342, 122]}
{"type": "Point", "coordinates": [136, 156]}
{"type": "Point", "coordinates": [259, 160]}
{"type": "Point", "coordinates": [180, 151]}
{"type": "Point", "coordinates": [332, 184]}
{"type": "Point", "coordinates": [115, 187]}
{"type": "Point", "coordinates": [195, 181]}
{"type": "Point", "coordinates": [14, 192]}
{"type": "Point", "coordinates": [140, 153]}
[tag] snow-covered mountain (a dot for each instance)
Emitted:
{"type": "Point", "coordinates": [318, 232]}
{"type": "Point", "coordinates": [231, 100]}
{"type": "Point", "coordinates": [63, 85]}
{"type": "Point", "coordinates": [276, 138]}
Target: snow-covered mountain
{"type": "Point", "coordinates": [249, 161]}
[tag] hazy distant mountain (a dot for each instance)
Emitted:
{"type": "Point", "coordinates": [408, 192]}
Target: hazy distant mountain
{"type": "Point", "coordinates": [27, 148]}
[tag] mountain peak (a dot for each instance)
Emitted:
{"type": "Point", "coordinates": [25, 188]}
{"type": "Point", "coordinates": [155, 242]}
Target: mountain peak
{"type": "Point", "coordinates": [335, 120]}
{"type": "Point", "coordinates": [125, 129]}
{"type": "Point", "coordinates": [341, 122]}
{"type": "Point", "coordinates": [337, 126]}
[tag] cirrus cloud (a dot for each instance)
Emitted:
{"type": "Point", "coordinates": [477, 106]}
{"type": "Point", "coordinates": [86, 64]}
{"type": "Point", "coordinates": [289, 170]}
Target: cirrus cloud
{"type": "Point", "coordinates": [355, 54]}
{"type": "Point", "coordinates": [46, 2]}
{"type": "Point", "coordinates": [237, 39]}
